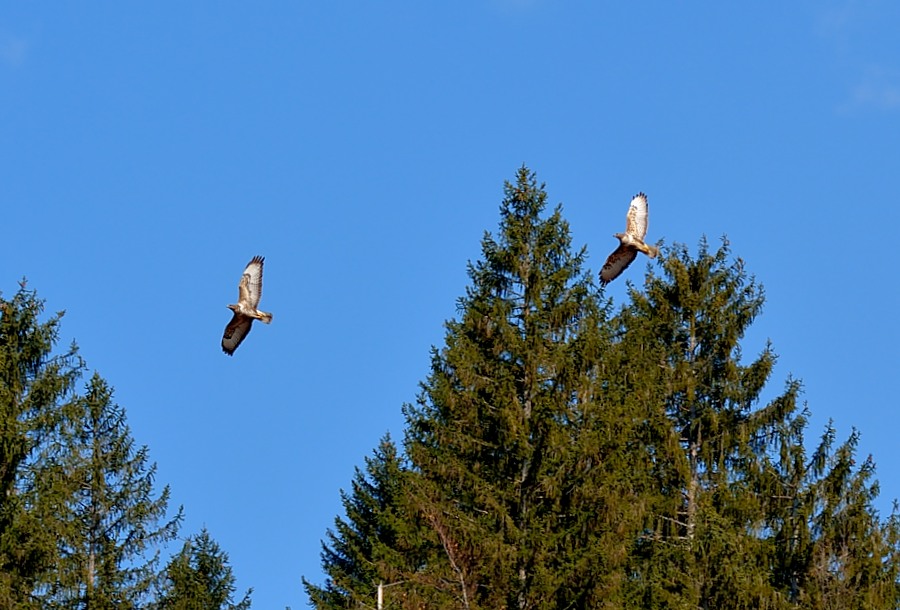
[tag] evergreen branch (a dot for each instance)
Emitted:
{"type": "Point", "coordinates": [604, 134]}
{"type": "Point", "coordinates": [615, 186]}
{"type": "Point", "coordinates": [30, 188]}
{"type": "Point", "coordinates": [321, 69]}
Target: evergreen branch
{"type": "Point", "coordinates": [450, 548]}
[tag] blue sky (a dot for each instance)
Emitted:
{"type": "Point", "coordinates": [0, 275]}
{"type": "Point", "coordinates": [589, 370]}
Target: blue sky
{"type": "Point", "coordinates": [148, 151]}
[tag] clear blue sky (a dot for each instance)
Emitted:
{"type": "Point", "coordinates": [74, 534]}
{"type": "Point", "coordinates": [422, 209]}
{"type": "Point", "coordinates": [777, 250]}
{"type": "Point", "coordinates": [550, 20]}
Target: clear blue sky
{"type": "Point", "coordinates": [149, 150]}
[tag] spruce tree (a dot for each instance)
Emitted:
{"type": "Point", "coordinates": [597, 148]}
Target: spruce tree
{"type": "Point", "coordinates": [709, 430]}
{"type": "Point", "coordinates": [855, 556]}
{"type": "Point", "coordinates": [559, 456]}
{"type": "Point", "coordinates": [378, 542]}
{"type": "Point", "coordinates": [199, 578]}
{"type": "Point", "coordinates": [35, 385]}
{"type": "Point", "coordinates": [741, 518]}
{"type": "Point", "coordinates": [506, 499]}
{"type": "Point", "coordinates": [113, 519]}
{"type": "Point", "coordinates": [489, 436]}
{"type": "Point", "coordinates": [830, 548]}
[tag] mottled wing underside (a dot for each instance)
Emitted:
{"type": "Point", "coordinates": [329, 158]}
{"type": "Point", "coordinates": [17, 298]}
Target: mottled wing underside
{"type": "Point", "coordinates": [249, 294]}
{"type": "Point", "coordinates": [617, 262]}
{"type": "Point", "coordinates": [636, 219]}
{"type": "Point", "coordinates": [244, 290]}
{"type": "Point", "coordinates": [250, 288]}
{"type": "Point", "coordinates": [235, 332]}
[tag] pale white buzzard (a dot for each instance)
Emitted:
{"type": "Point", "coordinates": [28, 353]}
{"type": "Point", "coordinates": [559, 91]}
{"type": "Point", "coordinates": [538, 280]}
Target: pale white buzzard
{"type": "Point", "coordinates": [630, 241]}
{"type": "Point", "coordinates": [245, 311]}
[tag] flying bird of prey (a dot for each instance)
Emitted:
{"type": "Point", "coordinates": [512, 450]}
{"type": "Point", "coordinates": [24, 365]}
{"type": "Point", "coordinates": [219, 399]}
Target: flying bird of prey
{"type": "Point", "coordinates": [245, 311]}
{"type": "Point", "coordinates": [630, 241]}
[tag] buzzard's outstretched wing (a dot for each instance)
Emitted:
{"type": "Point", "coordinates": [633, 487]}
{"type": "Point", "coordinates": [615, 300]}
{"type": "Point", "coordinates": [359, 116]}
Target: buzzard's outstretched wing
{"type": "Point", "coordinates": [250, 288]}
{"type": "Point", "coordinates": [636, 219]}
{"type": "Point", "coordinates": [237, 329]}
{"type": "Point", "coordinates": [617, 262]}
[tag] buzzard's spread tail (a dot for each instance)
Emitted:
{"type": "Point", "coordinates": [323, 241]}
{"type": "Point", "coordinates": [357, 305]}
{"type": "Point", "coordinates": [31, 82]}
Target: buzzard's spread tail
{"type": "Point", "coordinates": [265, 316]}
{"type": "Point", "coordinates": [652, 251]}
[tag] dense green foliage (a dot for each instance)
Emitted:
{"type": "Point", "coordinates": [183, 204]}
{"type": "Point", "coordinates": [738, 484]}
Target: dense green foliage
{"type": "Point", "coordinates": [199, 578]}
{"type": "Point", "coordinates": [35, 384]}
{"type": "Point", "coordinates": [110, 514]}
{"type": "Point", "coordinates": [562, 455]}
{"type": "Point", "coordinates": [81, 525]}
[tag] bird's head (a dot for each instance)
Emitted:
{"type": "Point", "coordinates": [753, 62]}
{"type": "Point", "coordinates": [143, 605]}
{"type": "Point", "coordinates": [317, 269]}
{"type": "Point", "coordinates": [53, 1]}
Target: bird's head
{"type": "Point", "coordinates": [232, 307]}
{"type": "Point", "coordinates": [619, 236]}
